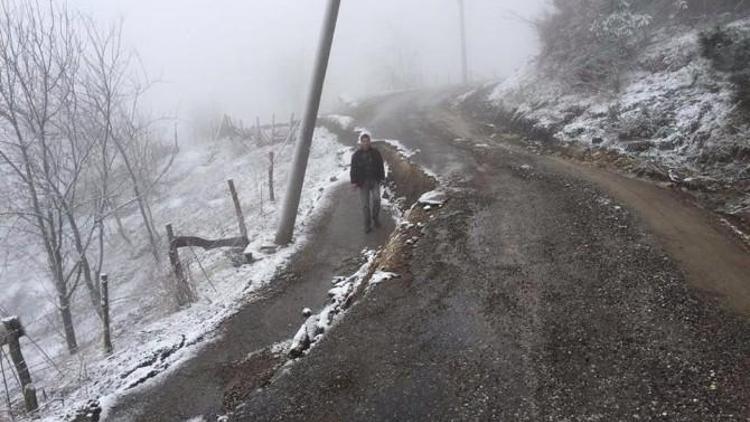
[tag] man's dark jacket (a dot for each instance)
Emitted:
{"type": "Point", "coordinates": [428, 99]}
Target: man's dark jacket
{"type": "Point", "coordinates": [367, 166]}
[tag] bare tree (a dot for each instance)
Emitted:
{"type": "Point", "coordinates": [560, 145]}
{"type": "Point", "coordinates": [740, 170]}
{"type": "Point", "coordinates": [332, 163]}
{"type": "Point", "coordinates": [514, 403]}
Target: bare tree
{"type": "Point", "coordinates": [72, 142]}
{"type": "Point", "coordinates": [103, 93]}
{"type": "Point", "coordinates": [38, 52]}
{"type": "Point", "coordinates": [128, 156]}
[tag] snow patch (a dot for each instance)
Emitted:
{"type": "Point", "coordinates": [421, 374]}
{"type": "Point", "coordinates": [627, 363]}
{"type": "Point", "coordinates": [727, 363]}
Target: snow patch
{"type": "Point", "coordinates": [381, 276]}
{"type": "Point", "coordinates": [341, 295]}
{"type": "Point", "coordinates": [345, 122]}
{"type": "Point", "coordinates": [433, 198]}
{"type": "Point", "coordinates": [401, 148]}
{"type": "Point", "coordinates": [736, 230]}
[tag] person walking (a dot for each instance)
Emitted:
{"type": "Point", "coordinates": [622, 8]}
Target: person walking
{"type": "Point", "coordinates": [367, 173]}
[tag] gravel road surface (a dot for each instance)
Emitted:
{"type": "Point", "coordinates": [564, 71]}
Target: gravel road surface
{"type": "Point", "coordinates": [540, 292]}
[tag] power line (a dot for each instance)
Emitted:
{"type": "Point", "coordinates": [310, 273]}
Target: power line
{"type": "Point", "coordinates": [200, 265]}
{"type": "Point", "coordinates": [44, 354]}
{"type": "Point", "coordinates": [10, 365]}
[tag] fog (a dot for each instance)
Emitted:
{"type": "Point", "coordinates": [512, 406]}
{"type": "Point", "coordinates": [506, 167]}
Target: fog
{"type": "Point", "coordinates": [250, 58]}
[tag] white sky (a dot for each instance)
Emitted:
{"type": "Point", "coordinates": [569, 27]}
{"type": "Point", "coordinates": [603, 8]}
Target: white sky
{"type": "Point", "coordinates": [253, 57]}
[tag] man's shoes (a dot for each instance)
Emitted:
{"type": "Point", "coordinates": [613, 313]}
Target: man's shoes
{"type": "Point", "coordinates": [368, 230]}
{"type": "Point", "coordinates": [377, 224]}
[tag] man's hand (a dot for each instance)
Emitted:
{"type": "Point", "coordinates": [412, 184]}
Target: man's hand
{"type": "Point", "coordinates": [356, 185]}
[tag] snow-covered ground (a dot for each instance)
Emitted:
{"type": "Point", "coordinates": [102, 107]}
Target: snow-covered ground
{"type": "Point", "coordinates": [149, 337]}
{"type": "Point", "coordinates": [674, 110]}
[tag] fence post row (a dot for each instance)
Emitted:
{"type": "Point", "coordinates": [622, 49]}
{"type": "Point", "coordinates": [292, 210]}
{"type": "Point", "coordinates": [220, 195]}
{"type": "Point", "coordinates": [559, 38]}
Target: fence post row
{"type": "Point", "coordinates": [270, 177]}
{"type": "Point", "coordinates": [273, 128]}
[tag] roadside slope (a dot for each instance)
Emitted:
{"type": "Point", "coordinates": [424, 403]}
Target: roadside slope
{"type": "Point", "coordinates": [678, 115]}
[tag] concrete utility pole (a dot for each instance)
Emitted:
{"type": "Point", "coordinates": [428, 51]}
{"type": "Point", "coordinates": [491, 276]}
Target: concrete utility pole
{"type": "Point", "coordinates": [464, 55]}
{"type": "Point", "coordinates": [302, 148]}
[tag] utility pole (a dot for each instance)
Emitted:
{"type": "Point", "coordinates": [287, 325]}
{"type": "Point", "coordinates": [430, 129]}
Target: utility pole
{"type": "Point", "coordinates": [464, 55]}
{"type": "Point", "coordinates": [304, 141]}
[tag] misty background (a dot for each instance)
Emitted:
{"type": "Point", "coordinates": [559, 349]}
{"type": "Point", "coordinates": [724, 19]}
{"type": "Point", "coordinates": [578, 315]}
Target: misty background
{"type": "Point", "coordinates": [254, 58]}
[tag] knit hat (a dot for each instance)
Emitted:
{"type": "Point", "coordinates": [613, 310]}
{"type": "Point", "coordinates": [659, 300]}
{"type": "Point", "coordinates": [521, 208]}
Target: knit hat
{"type": "Point", "coordinates": [364, 133]}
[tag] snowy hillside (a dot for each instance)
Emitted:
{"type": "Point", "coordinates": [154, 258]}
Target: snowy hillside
{"type": "Point", "coordinates": [673, 111]}
{"type": "Point", "coordinates": [149, 337]}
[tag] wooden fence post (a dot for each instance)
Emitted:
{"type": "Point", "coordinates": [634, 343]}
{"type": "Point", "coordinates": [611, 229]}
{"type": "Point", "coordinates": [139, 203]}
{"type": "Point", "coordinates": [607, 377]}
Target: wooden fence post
{"type": "Point", "coordinates": [292, 127]}
{"type": "Point", "coordinates": [270, 176]}
{"type": "Point", "coordinates": [260, 191]}
{"type": "Point", "coordinates": [105, 313]}
{"type": "Point", "coordinates": [13, 332]}
{"type": "Point", "coordinates": [184, 293]}
{"type": "Point", "coordinates": [238, 209]}
{"type": "Point", "coordinates": [273, 128]}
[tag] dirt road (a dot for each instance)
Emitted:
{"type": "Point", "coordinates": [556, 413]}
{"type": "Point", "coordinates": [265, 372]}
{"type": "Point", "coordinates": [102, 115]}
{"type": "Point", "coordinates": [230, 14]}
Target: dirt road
{"type": "Point", "coordinates": [541, 291]}
{"type": "Point", "coordinates": [200, 387]}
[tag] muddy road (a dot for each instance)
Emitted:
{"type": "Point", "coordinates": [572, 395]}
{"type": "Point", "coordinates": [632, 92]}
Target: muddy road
{"type": "Point", "coordinates": [542, 291]}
